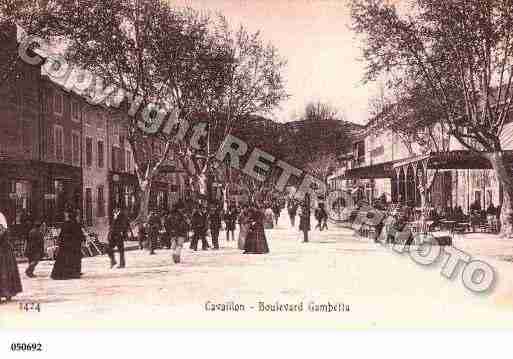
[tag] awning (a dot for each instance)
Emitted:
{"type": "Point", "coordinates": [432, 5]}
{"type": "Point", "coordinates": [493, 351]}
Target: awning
{"type": "Point", "coordinates": [380, 170]}
{"type": "Point", "coordinates": [452, 160]}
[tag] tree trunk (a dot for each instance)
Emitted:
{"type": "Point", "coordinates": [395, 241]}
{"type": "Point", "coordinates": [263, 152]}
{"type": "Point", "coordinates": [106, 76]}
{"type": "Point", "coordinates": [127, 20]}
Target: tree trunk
{"type": "Point", "coordinates": [145, 190]}
{"type": "Point", "coordinates": [503, 175]}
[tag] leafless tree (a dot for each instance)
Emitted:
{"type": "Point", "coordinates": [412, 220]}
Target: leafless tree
{"type": "Point", "coordinates": [173, 58]}
{"type": "Point", "coordinates": [460, 53]}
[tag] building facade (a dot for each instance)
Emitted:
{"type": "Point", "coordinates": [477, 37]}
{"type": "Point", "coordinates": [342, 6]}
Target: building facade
{"type": "Point", "coordinates": [368, 173]}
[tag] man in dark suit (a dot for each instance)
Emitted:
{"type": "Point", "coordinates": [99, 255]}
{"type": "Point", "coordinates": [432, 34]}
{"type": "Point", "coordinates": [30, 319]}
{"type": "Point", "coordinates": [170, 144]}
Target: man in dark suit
{"type": "Point", "coordinates": [117, 236]}
{"type": "Point", "coordinates": [34, 251]}
{"type": "Point", "coordinates": [215, 225]}
{"type": "Point", "coordinates": [199, 223]}
{"type": "Point", "coordinates": [154, 225]}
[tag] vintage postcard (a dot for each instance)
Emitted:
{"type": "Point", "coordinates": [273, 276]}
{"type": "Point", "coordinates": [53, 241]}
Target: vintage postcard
{"type": "Point", "coordinates": [284, 164]}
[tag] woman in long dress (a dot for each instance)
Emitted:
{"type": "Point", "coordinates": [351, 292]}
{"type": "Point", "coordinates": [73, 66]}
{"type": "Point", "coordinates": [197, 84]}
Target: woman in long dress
{"type": "Point", "coordinates": [10, 282]}
{"type": "Point", "coordinates": [256, 243]}
{"type": "Point", "coordinates": [69, 256]}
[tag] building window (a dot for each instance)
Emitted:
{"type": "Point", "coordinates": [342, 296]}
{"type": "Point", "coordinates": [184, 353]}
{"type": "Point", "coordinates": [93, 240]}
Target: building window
{"type": "Point", "coordinates": [101, 161]}
{"type": "Point", "coordinates": [114, 158]}
{"type": "Point", "coordinates": [89, 207]}
{"type": "Point", "coordinates": [75, 144]}
{"type": "Point", "coordinates": [100, 123]}
{"type": "Point", "coordinates": [58, 104]}
{"type": "Point", "coordinates": [75, 111]}
{"type": "Point", "coordinates": [89, 151]}
{"type": "Point", "coordinates": [121, 159]}
{"type": "Point", "coordinates": [59, 143]}
{"type": "Point", "coordinates": [128, 161]}
{"type": "Point", "coordinates": [101, 203]}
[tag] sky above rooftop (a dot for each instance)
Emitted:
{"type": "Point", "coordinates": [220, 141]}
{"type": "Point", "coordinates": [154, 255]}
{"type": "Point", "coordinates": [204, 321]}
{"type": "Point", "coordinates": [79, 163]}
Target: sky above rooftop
{"type": "Point", "coordinates": [314, 36]}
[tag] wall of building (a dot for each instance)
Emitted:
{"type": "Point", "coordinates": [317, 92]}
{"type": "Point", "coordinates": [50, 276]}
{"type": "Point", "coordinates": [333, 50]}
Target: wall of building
{"type": "Point", "coordinates": [95, 166]}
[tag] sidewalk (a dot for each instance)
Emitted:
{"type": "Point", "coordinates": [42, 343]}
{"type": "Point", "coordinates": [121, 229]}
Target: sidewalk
{"type": "Point", "coordinates": [129, 246]}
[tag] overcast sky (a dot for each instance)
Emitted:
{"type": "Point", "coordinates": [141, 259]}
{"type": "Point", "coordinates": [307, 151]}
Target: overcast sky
{"type": "Point", "coordinates": [313, 36]}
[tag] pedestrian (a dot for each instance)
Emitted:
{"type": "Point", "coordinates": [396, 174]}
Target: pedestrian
{"type": "Point", "coordinates": [154, 226]}
{"type": "Point", "coordinates": [244, 226]}
{"type": "Point", "coordinates": [292, 209]}
{"type": "Point", "coordinates": [34, 251]}
{"type": "Point", "coordinates": [322, 217]}
{"type": "Point", "coordinates": [304, 218]}
{"type": "Point", "coordinates": [230, 219]}
{"type": "Point", "coordinates": [141, 234]}
{"type": "Point", "coordinates": [69, 253]}
{"type": "Point", "coordinates": [268, 217]}
{"type": "Point", "coordinates": [10, 281]}
{"type": "Point", "coordinates": [117, 236]}
{"type": "Point", "coordinates": [199, 224]}
{"type": "Point", "coordinates": [215, 225]}
{"type": "Point", "coordinates": [255, 243]}
{"type": "Point", "coordinates": [180, 225]}
{"type": "Point", "coordinates": [169, 226]}
{"type": "Point", "coordinates": [276, 207]}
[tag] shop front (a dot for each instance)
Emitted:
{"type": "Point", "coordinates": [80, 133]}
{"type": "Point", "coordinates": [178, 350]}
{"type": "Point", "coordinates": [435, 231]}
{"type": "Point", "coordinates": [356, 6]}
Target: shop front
{"type": "Point", "coordinates": [32, 190]}
{"type": "Point", "coordinates": [124, 194]}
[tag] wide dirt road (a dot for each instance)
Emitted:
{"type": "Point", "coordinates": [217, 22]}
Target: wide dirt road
{"type": "Point", "coordinates": [378, 289]}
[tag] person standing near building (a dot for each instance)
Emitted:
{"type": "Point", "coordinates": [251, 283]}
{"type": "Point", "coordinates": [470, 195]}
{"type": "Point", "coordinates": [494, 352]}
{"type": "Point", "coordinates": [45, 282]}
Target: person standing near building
{"type": "Point", "coordinates": [154, 226]}
{"type": "Point", "coordinates": [34, 251]}
{"type": "Point", "coordinates": [117, 236]}
{"type": "Point", "coordinates": [10, 281]}
{"type": "Point", "coordinates": [69, 254]}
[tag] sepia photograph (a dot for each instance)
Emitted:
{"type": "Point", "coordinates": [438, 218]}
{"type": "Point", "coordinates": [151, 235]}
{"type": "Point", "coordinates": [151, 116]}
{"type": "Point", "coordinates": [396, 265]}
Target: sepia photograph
{"type": "Point", "coordinates": [265, 164]}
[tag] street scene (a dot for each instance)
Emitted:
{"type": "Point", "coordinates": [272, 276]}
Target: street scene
{"type": "Point", "coordinates": [276, 164]}
{"type": "Point", "coordinates": [381, 289]}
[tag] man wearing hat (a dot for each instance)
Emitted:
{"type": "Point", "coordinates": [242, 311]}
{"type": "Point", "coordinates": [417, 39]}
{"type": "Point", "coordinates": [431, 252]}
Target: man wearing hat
{"type": "Point", "coordinates": [34, 251]}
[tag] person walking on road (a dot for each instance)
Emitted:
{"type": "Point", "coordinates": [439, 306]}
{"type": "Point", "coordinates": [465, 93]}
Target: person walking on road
{"type": "Point", "coordinates": [292, 209]}
{"type": "Point", "coordinates": [230, 219]}
{"type": "Point", "coordinates": [117, 236]}
{"type": "Point", "coordinates": [276, 207]}
{"type": "Point", "coordinates": [322, 217]}
{"type": "Point", "coordinates": [199, 223]}
{"type": "Point", "coordinates": [256, 243]}
{"type": "Point", "coordinates": [215, 225]}
{"type": "Point", "coordinates": [68, 263]}
{"type": "Point", "coordinates": [154, 226]}
{"type": "Point", "coordinates": [180, 224]}
{"type": "Point", "coordinates": [35, 249]}
{"type": "Point", "coordinates": [304, 217]}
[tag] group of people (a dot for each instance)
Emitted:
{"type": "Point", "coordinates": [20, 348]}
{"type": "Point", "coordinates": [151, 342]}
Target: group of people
{"type": "Point", "coordinates": [170, 229]}
{"type": "Point", "coordinates": [68, 259]}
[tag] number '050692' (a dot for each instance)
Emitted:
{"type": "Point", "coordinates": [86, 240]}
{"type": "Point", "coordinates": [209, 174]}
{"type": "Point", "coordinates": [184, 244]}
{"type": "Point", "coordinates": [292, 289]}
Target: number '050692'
{"type": "Point", "coordinates": [26, 347]}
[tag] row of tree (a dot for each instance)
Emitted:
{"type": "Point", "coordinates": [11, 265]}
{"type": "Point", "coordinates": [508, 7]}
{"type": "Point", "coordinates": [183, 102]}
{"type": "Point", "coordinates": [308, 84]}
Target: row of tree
{"type": "Point", "coordinates": [175, 58]}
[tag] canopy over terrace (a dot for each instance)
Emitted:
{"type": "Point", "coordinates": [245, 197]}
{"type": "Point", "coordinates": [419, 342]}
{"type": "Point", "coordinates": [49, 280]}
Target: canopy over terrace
{"type": "Point", "coordinates": [418, 173]}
